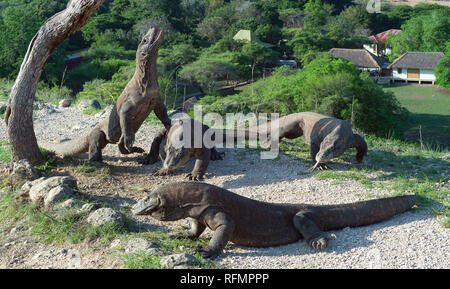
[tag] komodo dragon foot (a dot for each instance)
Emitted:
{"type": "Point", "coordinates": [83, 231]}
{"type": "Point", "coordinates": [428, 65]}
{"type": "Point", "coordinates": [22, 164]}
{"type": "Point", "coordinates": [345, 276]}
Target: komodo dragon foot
{"type": "Point", "coordinates": [320, 242]}
{"type": "Point", "coordinates": [320, 167]}
{"type": "Point", "coordinates": [207, 252]}
{"type": "Point", "coordinates": [194, 177]}
{"type": "Point", "coordinates": [162, 172]}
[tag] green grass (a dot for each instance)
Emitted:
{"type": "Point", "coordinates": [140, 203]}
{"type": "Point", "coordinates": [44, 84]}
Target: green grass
{"type": "Point", "coordinates": [92, 110]}
{"type": "Point", "coordinates": [5, 151]}
{"type": "Point", "coordinates": [430, 112]}
{"type": "Point", "coordinates": [90, 169]}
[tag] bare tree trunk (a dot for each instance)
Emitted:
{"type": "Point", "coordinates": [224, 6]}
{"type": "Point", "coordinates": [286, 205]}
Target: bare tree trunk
{"type": "Point", "coordinates": [19, 115]}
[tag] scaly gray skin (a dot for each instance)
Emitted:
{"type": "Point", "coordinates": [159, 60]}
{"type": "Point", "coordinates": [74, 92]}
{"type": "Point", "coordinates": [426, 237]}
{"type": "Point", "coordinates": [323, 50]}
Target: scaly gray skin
{"type": "Point", "coordinates": [176, 154]}
{"type": "Point", "coordinates": [138, 99]}
{"type": "Point", "coordinates": [327, 136]}
{"type": "Point", "coordinates": [252, 223]}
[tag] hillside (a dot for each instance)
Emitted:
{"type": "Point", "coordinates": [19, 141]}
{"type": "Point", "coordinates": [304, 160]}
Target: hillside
{"type": "Point", "coordinates": [415, 2]}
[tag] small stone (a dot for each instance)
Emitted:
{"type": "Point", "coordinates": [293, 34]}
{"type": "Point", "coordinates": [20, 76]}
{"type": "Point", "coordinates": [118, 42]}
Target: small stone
{"type": "Point", "coordinates": [103, 216]}
{"type": "Point", "coordinates": [23, 171]}
{"type": "Point", "coordinates": [87, 103]}
{"type": "Point", "coordinates": [137, 245]}
{"type": "Point", "coordinates": [178, 261]}
{"type": "Point", "coordinates": [65, 103]}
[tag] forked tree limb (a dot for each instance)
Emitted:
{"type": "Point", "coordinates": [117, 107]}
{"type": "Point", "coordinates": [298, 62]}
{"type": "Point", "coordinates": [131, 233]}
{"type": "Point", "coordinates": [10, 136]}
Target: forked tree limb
{"type": "Point", "coordinates": [19, 114]}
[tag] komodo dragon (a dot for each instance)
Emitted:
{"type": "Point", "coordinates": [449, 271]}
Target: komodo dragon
{"type": "Point", "coordinates": [137, 100]}
{"type": "Point", "coordinates": [247, 222]}
{"type": "Point", "coordinates": [177, 154]}
{"type": "Point", "coordinates": [327, 136]}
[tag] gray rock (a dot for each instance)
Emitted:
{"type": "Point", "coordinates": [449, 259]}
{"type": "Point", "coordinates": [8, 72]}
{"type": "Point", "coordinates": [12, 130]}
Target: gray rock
{"type": "Point", "coordinates": [57, 194]}
{"type": "Point", "coordinates": [178, 261]}
{"type": "Point", "coordinates": [28, 185]}
{"type": "Point", "coordinates": [104, 216]}
{"type": "Point", "coordinates": [137, 245]}
{"type": "Point", "coordinates": [39, 191]}
{"type": "Point", "coordinates": [189, 104]}
{"type": "Point", "coordinates": [70, 204]}
{"type": "Point", "coordinates": [65, 103]}
{"type": "Point", "coordinates": [23, 171]}
{"type": "Point", "coordinates": [87, 208]}
{"type": "Point", "coordinates": [87, 103]}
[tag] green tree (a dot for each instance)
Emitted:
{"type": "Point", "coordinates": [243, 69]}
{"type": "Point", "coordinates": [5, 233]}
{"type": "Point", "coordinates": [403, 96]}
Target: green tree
{"type": "Point", "coordinates": [256, 55]}
{"type": "Point", "coordinates": [428, 32]}
{"type": "Point", "coordinates": [442, 70]}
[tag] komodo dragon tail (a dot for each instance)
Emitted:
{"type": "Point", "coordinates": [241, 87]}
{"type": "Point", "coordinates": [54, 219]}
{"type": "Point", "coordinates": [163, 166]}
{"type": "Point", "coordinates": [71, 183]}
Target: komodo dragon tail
{"type": "Point", "coordinates": [237, 134]}
{"type": "Point", "coordinates": [70, 148]}
{"type": "Point", "coordinates": [335, 217]}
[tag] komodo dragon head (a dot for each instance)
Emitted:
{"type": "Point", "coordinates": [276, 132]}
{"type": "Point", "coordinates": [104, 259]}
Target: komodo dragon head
{"type": "Point", "coordinates": [149, 45]}
{"type": "Point", "coordinates": [173, 202]}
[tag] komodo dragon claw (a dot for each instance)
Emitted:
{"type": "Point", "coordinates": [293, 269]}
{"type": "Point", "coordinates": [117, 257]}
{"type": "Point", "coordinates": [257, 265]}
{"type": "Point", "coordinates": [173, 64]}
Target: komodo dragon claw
{"type": "Point", "coordinates": [207, 252]}
{"type": "Point", "coordinates": [320, 242]}
{"type": "Point", "coordinates": [162, 172]}
{"type": "Point", "coordinates": [192, 177]}
{"type": "Point", "coordinates": [321, 167]}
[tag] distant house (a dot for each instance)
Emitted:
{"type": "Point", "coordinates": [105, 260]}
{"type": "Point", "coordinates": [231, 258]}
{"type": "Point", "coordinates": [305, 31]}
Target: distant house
{"type": "Point", "coordinates": [247, 35]}
{"type": "Point", "coordinates": [416, 66]}
{"type": "Point", "coordinates": [378, 45]}
{"type": "Point", "coordinates": [361, 58]}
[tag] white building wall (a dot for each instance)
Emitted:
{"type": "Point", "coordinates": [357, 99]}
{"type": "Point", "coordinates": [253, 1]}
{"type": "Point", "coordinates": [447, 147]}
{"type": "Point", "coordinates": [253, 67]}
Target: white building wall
{"type": "Point", "coordinates": [402, 76]}
{"type": "Point", "coordinates": [427, 75]}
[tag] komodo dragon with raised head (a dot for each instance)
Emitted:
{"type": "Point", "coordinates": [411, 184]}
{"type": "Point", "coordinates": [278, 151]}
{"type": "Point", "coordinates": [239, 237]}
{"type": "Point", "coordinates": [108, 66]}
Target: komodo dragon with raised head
{"type": "Point", "coordinates": [135, 103]}
{"type": "Point", "coordinates": [251, 223]}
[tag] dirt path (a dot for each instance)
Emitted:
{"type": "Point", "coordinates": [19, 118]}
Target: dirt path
{"type": "Point", "coordinates": [413, 240]}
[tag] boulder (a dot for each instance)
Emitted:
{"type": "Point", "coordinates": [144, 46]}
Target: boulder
{"type": "Point", "coordinates": [65, 103]}
{"type": "Point", "coordinates": [38, 192]}
{"type": "Point", "coordinates": [104, 216]}
{"type": "Point", "coordinates": [87, 103]}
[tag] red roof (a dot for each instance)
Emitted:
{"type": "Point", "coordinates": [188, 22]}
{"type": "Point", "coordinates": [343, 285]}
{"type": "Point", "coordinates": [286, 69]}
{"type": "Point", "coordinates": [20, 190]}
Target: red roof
{"type": "Point", "coordinates": [382, 37]}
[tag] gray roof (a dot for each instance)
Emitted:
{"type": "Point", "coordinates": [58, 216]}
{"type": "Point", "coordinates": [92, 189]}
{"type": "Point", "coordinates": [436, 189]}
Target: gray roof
{"type": "Point", "coordinates": [418, 60]}
{"type": "Point", "coordinates": [359, 57]}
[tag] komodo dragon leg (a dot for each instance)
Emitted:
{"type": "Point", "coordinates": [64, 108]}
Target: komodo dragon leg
{"type": "Point", "coordinates": [201, 164]}
{"type": "Point", "coordinates": [97, 142]}
{"type": "Point", "coordinates": [223, 227]}
{"type": "Point", "coordinates": [126, 124]}
{"type": "Point", "coordinates": [314, 149]}
{"type": "Point", "coordinates": [316, 238]}
{"type": "Point", "coordinates": [153, 156]}
{"type": "Point", "coordinates": [161, 114]}
{"type": "Point", "coordinates": [196, 229]}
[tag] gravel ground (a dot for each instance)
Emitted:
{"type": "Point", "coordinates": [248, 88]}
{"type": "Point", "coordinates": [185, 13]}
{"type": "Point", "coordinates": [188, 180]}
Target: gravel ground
{"type": "Point", "coordinates": [412, 240]}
